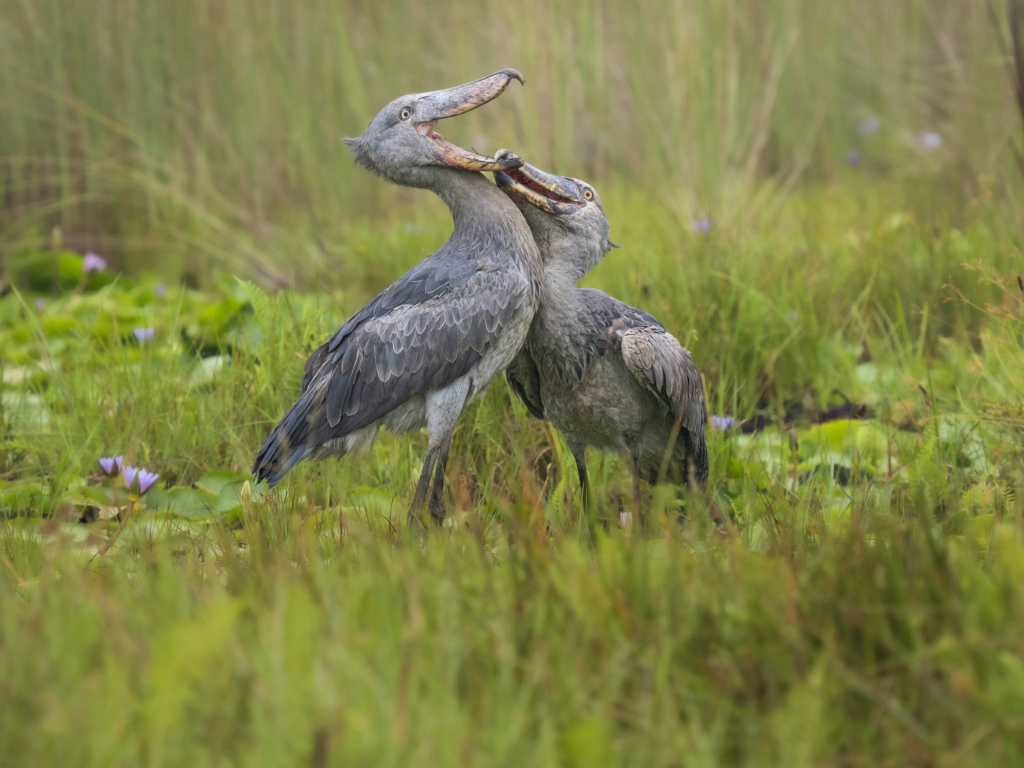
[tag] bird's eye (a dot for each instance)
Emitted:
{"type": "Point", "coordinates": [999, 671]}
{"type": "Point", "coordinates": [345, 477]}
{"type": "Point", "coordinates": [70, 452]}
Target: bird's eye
{"type": "Point", "coordinates": [405, 114]}
{"type": "Point", "coordinates": [588, 194]}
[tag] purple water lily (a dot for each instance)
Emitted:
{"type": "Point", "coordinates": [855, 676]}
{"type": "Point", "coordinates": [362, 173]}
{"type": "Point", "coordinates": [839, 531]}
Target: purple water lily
{"type": "Point", "coordinates": [703, 226]}
{"type": "Point", "coordinates": [129, 475]}
{"type": "Point", "coordinates": [144, 334]}
{"type": "Point", "coordinates": [146, 480]}
{"type": "Point", "coordinates": [93, 263]}
{"type": "Point", "coordinates": [111, 466]}
{"type": "Point", "coordinates": [853, 158]}
{"type": "Point", "coordinates": [723, 422]}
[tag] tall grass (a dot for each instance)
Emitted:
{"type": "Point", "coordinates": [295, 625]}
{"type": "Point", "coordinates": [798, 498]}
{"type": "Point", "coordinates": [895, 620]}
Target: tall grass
{"type": "Point", "coordinates": [878, 647]}
{"type": "Point", "coordinates": [191, 129]}
{"type": "Point", "coordinates": [871, 620]}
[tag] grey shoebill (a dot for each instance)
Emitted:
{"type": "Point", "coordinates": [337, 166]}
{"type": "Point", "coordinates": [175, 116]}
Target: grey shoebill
{"type": "Point", "coordinates": [419, 352]}
{"type": "Point", "coordinates": [605, 374]}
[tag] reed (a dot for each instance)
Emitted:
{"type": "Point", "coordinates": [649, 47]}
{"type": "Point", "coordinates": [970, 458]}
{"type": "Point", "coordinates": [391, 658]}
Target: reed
{"type": "Point", "coordinates": [213, 131]}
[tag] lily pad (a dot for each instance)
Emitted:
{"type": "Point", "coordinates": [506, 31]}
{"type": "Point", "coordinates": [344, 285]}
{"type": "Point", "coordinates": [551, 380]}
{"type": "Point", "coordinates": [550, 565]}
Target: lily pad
{"type": "Point", "coordinates": [186, 502]}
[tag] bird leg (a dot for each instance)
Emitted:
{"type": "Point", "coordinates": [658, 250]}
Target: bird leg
{"type": "Point", "coordinates": [436, 504]}
{"type": "Point", "coordinates": [423, 485]}
{"type": "Point", "coordinates": [581, 468]}
{"type": "Point", "coordinates": [443, 409]}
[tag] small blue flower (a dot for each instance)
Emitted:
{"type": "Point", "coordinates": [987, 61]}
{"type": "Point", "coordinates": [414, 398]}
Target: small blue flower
{"type": "Point", "coordinates": [723, 422]}
{"type": "Point", "coordinates": [626, 518]}
{"type": "Point", "coordinates": [111, 466]}
{"type": "Point", "coordinates": [930, 140]}
{"type": "Point", "coordinates": [853, 158]}
{"type": "Point", "coordinates": [703, 226]}
{"type": "Point", "coordinates": [40, 305]}
{"type": "Point", "coordinates": [144, 334]}
{"type": "Point", "coordinates": [129, 475]}
{"type": "Point", "coordinates": [93, 263]}
{"type": "Point", "coordinates": [146, 480]}
{"type": "Point", "coordinates": [161, 290]}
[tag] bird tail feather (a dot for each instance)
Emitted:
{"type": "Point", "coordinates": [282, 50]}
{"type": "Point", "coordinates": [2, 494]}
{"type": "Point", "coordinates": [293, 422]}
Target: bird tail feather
{"type": "Point", "coordinates": [292, 440]}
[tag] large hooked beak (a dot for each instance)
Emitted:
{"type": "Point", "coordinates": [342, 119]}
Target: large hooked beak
{"type": "Point", "coordinates": [542, 190]}
{"type": "Point", "coordinates": [438, 105]}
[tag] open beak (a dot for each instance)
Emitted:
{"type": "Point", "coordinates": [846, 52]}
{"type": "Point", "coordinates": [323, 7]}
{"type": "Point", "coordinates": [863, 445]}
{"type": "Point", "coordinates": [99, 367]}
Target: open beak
{"type": "Point", "coordinates": [438, 105]}
{"type": "Point", "coordinates": [542, 190]}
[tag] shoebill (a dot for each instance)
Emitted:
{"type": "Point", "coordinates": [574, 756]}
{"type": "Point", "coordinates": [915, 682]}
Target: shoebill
{"type": "Point", "coordinates": [419, 352]}
{"type": "Point", "coordinates": [605, 374]}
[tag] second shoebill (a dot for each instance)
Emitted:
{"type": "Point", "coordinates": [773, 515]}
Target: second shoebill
{"type": "Point", "coordinates": [606, 374]}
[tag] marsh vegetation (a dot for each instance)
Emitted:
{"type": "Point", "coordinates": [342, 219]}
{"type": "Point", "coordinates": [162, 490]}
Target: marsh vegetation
{"type": "Point", "coordinates": [820, 201]}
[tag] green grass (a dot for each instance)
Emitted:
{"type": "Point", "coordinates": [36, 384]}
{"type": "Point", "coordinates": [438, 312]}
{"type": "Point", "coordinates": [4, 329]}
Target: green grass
{"type": "Point", "coordinates": [188, 132]}
{"type": "Point", "coordinates": [872, 623]}
{"type": "Point", "coordinates": [865, 606]}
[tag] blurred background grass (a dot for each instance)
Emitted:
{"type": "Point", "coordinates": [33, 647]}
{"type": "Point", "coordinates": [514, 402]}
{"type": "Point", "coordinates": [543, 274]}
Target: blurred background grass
{"type": "Point", "coordinates": [193, 131]}
{"type": "Point", "coordinates": [192, 139]}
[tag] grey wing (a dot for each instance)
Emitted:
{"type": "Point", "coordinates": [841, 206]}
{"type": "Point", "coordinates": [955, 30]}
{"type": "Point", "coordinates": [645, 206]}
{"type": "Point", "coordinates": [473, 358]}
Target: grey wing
{"type": "Point", "coordinates": [524, 380]}
{"type": "Point", "coordinates": [415, 348]}
{"type": "Point", "coordinates": [431, 279]}
{"type": "Point", "coordinates": [373, 366]}
{"type": "Point", "coordinates": [661, 364]}
{"type": "Point", "coordinates": [657, 359]}
{"type": "Point", "coordinates": [608, 318]}
{"type": "Point", "coordinates": [421, 333]}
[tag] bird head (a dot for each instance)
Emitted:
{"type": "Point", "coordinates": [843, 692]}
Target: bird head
{"type": "Point", "coordinates": [401, 146]}
{"type": "Point", "coordinates": [565, 215]}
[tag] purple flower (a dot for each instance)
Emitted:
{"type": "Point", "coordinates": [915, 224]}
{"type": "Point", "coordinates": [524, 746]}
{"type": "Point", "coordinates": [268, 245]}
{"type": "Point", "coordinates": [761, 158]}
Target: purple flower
{"type": "Point", "coordinates": [703, 226]}
{"type": "Point", "coordinates": [111, 466]}
{"type": "Point", "coordinates": [146, 479]}
{"type": "Point", "coordinates": [852, 158]}
{"type": "Point", "coordinates": [144, 334]}
{"type": "Point", "coordinates": [93, 263]}
{"type": "Point", "coordinates": [161, 290]}
{"type": "Point", "coordinates": [723, 422]}
{"type": "Point", "coordinates": [930, 140]}
{"type": "Point", "coordinates": [129, 476]}
{"type": "Point", "coordinates": [868, 127]}
{"type": "Point", "coordinates": [41, 305]}
{"type": "Point", "coordinates": [625, 517]}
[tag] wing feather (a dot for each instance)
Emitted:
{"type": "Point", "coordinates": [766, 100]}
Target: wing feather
{"type": "Point", "coordinates": [661, 364]}
{"type": "Point", "coordinates": [422, 332]}
{"type": "Point", "coordinates": [524, 380]}
{"type": "Point", "coordinates": [388, 359]}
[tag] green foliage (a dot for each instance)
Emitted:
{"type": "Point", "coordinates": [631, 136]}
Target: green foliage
{"type": "Point", "coordinates": [865, 606]}
{"type": "Point", "coordinates": [202, 133]}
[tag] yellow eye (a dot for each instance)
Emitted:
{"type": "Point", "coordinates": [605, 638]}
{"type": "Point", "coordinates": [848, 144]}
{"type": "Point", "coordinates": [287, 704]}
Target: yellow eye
{"type": "Point", "coordinates": [588, 194]}
{"type": "Point", "coordinates": [405, 113]}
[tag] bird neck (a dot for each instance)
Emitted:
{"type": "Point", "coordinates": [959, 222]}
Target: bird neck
{"type": "Point", "coordinates": [487, 221]}
{"type": "Point", "coordinates": [472, 199]}
{"type": "Point", "coordinates": [560, 278]}
{"type": "Point", "coordinates": [560, 303]}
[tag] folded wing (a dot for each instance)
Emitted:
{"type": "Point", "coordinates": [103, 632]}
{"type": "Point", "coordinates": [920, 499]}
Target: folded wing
{"type": "Point", "coordinates": [524, 380]}
{"type": "Point", "coordinates": [660, 363]}
{"type": "Point", "coordinates": [420, 334]}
